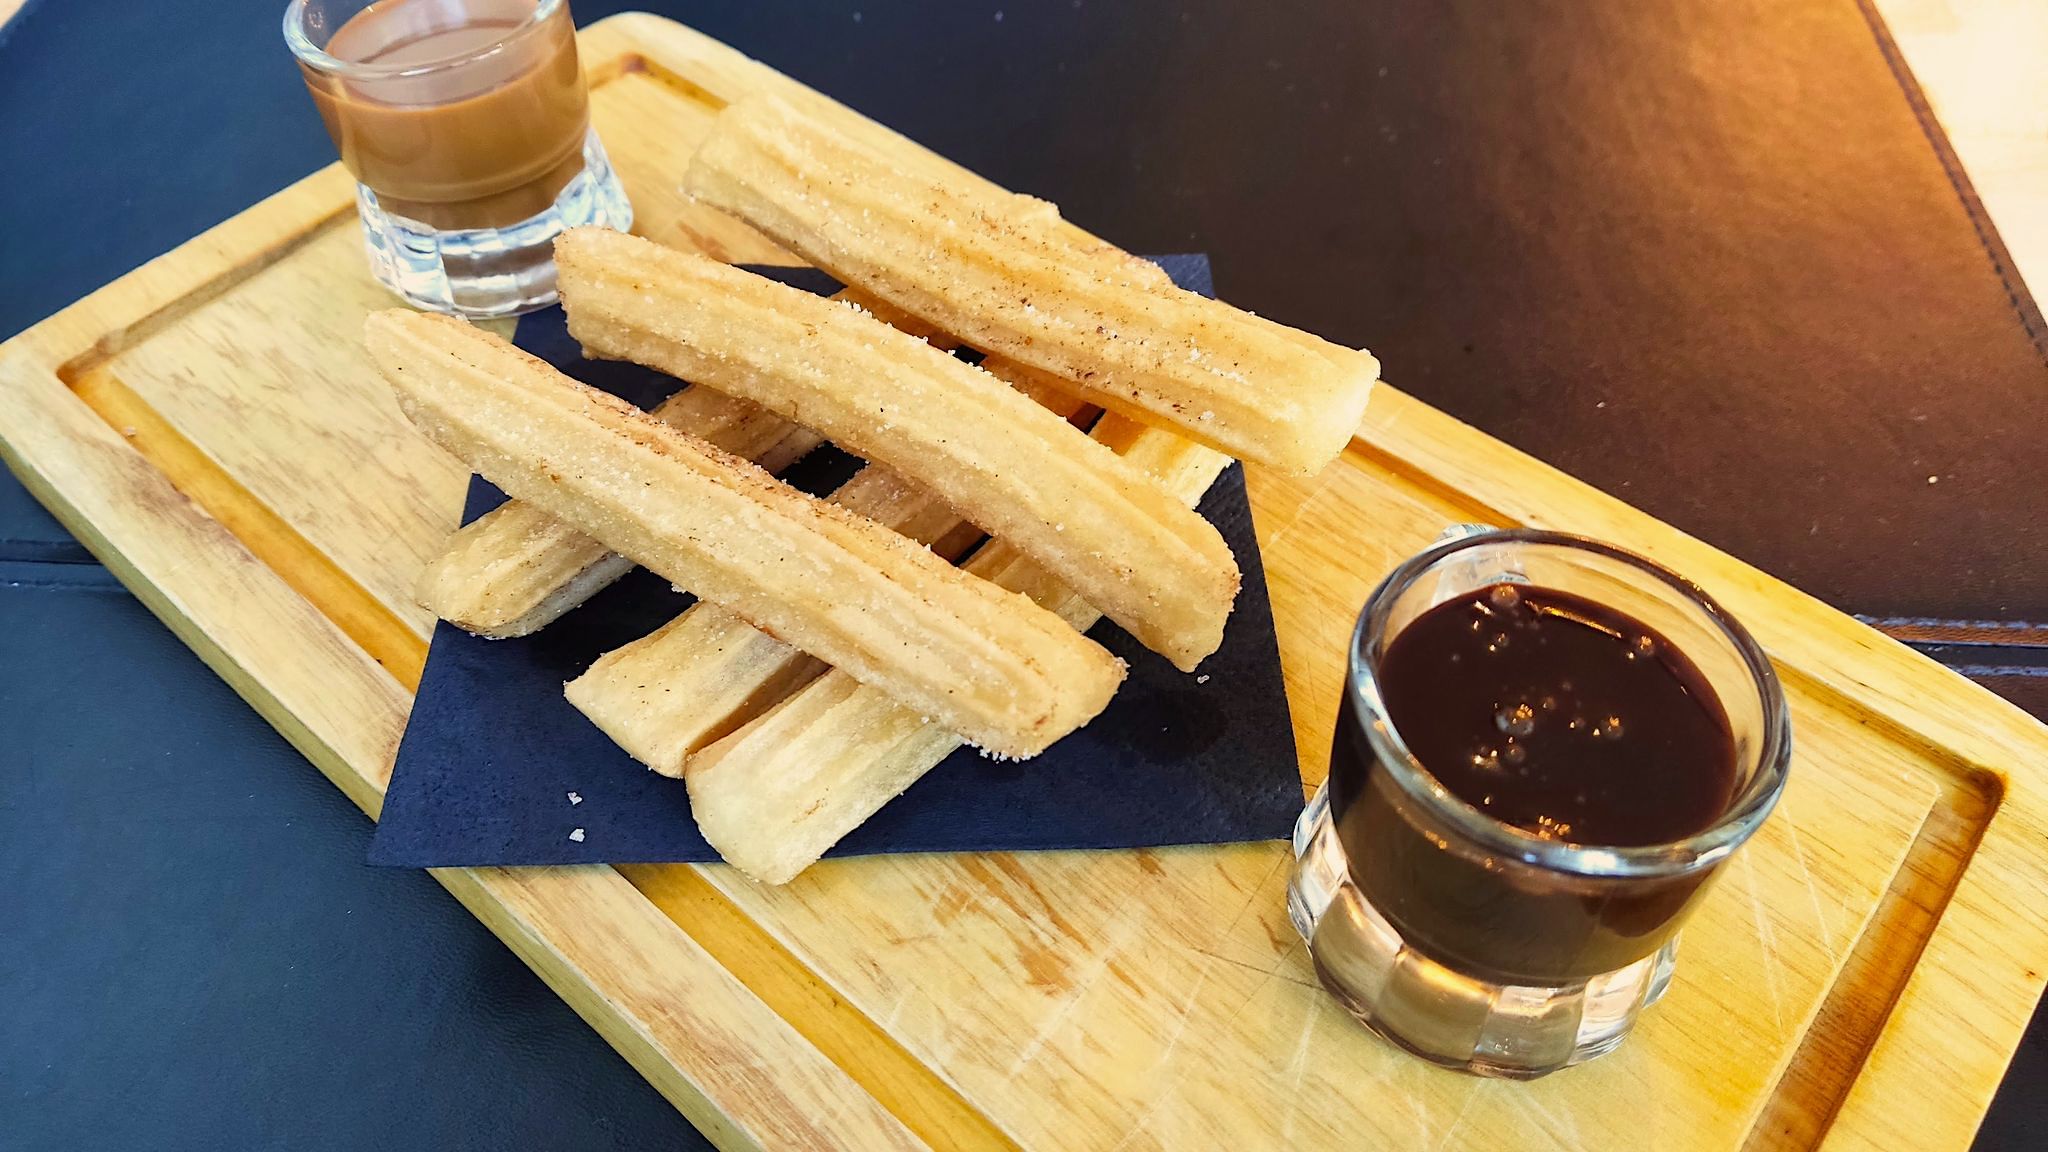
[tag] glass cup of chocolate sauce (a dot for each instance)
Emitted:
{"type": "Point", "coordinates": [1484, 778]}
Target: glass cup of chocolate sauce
{"type": "Point", "coordinates": [467, 128]}
{"type": "Point", "coordinates": [1546, 749]}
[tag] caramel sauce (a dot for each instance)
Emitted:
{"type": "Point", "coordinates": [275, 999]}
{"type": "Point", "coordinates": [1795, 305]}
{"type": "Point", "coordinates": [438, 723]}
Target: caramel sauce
{"type": "Point", "coordinates": [484, 144]}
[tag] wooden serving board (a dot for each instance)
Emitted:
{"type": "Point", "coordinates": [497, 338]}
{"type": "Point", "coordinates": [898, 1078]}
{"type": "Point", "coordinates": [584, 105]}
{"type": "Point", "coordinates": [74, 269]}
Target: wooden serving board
{"type": "Point", "coordinates": [210, 427]}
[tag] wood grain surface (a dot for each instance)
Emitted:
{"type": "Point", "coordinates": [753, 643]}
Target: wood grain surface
{"type": "Point", "coordinates": [211, 428]}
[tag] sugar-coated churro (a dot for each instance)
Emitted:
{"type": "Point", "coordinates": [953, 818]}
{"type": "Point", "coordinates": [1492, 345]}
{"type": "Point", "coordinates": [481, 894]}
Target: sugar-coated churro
{"type": "Point", "coordinates": [1023, 210]}
{"type": "Point", "coordinates": [933, 248]}
{"type": "Point", "coordinates": [1022, 473]}
{"type": "Point", "coordinates": [516, 569]}
{"type": "Point", "coordinates": [775, 794]}
{"type": "Point", "coordinates": [666, 695]}
{"type": "Point", "coordinates": [707, 671]}
{"type": "Point", "coordinates": [1008, 674]}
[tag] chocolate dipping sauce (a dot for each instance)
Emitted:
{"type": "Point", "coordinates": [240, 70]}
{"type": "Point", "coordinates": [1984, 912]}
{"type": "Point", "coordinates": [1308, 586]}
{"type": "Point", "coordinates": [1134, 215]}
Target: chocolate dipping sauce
{"type": "Point", "coordinates": [1555, 715]}
{"type": "Point", "coordinates": [483, 145]}
{"type": "Point", "coordinates": [1561, 717]}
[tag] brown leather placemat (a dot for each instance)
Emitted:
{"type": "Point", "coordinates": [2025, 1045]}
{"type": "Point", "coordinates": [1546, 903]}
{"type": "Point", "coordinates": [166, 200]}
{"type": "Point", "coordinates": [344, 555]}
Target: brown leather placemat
{"type": "Point", "coordinates": [1701, 253]}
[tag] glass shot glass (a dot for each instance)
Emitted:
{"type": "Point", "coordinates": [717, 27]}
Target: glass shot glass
{"type": "Point", "coordinates": [467, 128]}
{"type": "Point", "coordinates": [1469, 941]}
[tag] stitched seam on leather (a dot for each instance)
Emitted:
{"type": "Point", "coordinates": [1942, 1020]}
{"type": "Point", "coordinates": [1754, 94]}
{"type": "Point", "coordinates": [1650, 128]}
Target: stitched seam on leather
{"type": "Point", "coordinates": [1986, 660]}
{"type": "Point", "coordinates": [2016, 293]}
{"type": "Point", "coordinates": [2025, 633]}
{"type": "Point", "coordinates": [1995, 671]}
{"type": "Point", "coordinates": [1983, 655]}
{"type": "Point", "coordinates": [1945, 622]}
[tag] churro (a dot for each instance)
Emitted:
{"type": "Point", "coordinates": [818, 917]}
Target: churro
{"type": "Point", "coordinates": [1006, 673]}
{"type": "Point", "coordinates": [1146, 560]}
{"type": "Point", "coordinates": [934, 248]}
{"type": "Point", "coordinates": [701, 675]}
{"type": "Point", "coordinates": [775, 794]}
{"type": "Point", "coordinates": [667, 694]}
{"type": "Point", "coordinates": [516, 569]}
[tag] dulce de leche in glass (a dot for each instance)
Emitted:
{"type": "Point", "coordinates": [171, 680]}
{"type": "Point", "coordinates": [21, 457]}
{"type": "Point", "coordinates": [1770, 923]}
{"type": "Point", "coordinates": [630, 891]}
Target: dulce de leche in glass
{"type": "Point", "coordinates": [467, 127]}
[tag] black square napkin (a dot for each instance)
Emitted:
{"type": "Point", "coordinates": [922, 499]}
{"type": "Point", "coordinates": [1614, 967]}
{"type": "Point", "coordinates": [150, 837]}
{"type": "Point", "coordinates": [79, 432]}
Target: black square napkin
{"type": "Point", "coordinates": [494, 753]}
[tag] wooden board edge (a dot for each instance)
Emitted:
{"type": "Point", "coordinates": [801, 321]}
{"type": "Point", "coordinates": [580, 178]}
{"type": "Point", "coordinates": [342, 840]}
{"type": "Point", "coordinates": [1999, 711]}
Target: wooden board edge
{"type": "Point", "coordinates": [710, 66]}
{"type": "Point", "coordinates": [2001, 851]}
{"type": "Point", "coordinates": [718, 74]}
{"type": "Point", "coordinates": [697, 1034]}
{"type": "Point", "coordinates": [2000, 750]}
{"type": "Point", "coordinates": [1990, 746]}
{"type": "Point", "coordinates": [187, 568]}
{"type": "Point", "coordinates": [156, 293]}
{"type": "Point", "coordinates": [701, 899]}
{"type": "Point", "coordinates": [1885, 679]}
{"type": "Point", "coordinates": [128, 515]}
{"type": "Point", "coordinates": [1944, 1051]}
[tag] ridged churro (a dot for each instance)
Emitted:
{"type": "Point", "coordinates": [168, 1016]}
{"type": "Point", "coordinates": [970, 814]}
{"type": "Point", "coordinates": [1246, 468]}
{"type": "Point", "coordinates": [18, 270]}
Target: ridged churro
{"type": "Point", "coordinates": [1022, 473]}
{"type": "Point", "coordinates": [666, 695]}
{"type": "Point", "coordinates": [707, 671]}
{"type": "Point", "coordinates": [516, 569]}
{"type": "Point", "coordinates": [775, 794]}
{"type": "Point", "coordinates": [1005, 672]}
{"type": "Point", "coordinates": [935, 249]}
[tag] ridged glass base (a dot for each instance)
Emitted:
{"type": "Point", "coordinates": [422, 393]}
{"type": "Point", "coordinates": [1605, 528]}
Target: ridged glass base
{"type": "Point", "coordinates": [487, 272]}
{"type": "Point", "coordinates": [1505, 1030]}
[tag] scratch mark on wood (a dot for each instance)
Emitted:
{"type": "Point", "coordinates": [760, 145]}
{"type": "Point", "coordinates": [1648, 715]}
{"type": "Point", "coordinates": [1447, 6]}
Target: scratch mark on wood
{"type": "Point", "coordinates": [1115, 935]}
{"type": "Point", "coordinates": [1297, 1069]}
{"type": "Point", "coordinates": [1562, 1125]}
{"type": "Point", "coordinates": [1766, 940]}
{"type": "Point", "coordinates": [1444, 1141]}
{"type": "Point", "coordinates": [1187, 1011]}
{"type": "Point", "coordinates": [1827, 935]}
{"type": "Point", "coordinates": [1165, 1058]}
{"type": "Point", "coordinates": [1068, 1002]}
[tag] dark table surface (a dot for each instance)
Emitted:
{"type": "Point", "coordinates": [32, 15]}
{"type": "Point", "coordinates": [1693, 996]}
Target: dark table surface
{"type": "Point", "coordinates": [1702, 254]}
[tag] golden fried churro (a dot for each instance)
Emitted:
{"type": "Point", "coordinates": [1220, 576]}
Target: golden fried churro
{"type": "Point", "coordinates": [516, 569]}
{"type": "Point", "coordinates": [1007, 673]}
{"type": "Point", "coordinates": [706, 672]}
{"type": "Point", "coordinates": [933, 248]}
{"type": "Point", "coordinates": [1022, 210]}
{"type": "Point", "coordinates": [775, 794]}
{"type": "Point", "coordinates": [1017, 470]}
